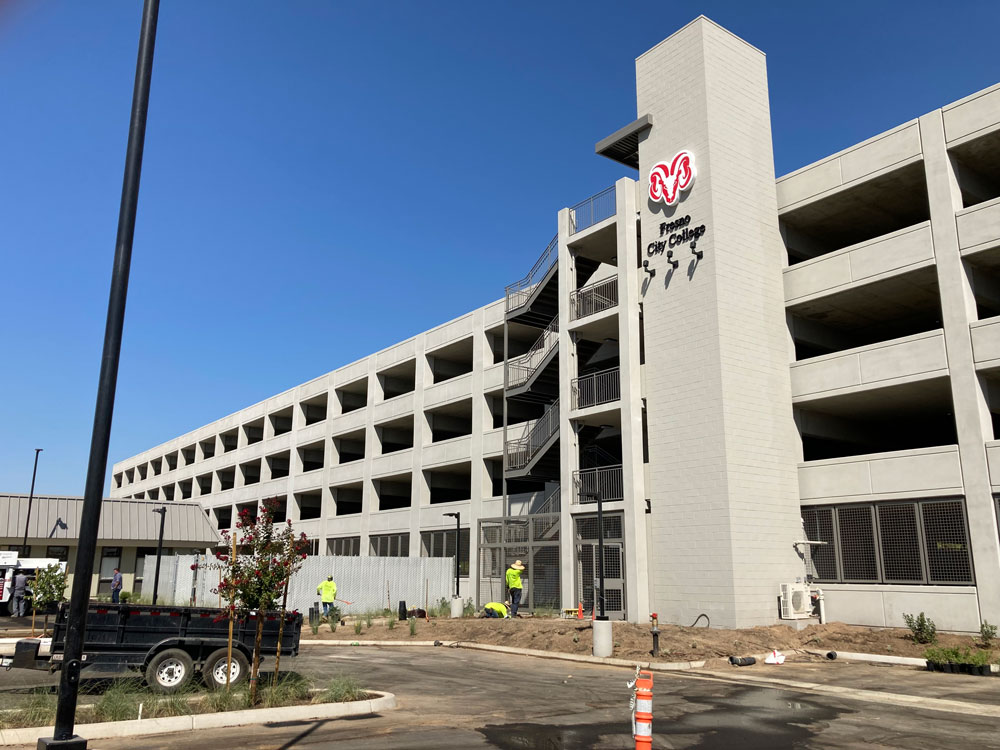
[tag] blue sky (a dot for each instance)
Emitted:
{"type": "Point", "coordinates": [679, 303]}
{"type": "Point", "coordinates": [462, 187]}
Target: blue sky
{"type": "Point", "coordinates": [306, 157]}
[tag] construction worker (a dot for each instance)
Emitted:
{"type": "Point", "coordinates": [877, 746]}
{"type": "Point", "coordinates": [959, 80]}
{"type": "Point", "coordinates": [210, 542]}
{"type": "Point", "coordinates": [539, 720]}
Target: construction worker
{"type": "Point", "coordinates": [328, 594]}
{"type": "Point", "coordinates": [514, 586]}
{"type": "Point", "coordinates": [495, 609]}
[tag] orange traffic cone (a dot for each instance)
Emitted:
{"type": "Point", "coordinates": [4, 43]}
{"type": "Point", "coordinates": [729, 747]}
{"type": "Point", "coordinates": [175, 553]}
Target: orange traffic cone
{"type": "Point", "coordinates": [579, 611]}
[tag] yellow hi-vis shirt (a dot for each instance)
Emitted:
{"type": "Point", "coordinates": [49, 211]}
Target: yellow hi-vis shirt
{"type": "Point", "coordinates": [513, 578]}
{"type": "Point", "coordinates": [328, 590]}
{"type": "Point", "coordinates": [497, 607]}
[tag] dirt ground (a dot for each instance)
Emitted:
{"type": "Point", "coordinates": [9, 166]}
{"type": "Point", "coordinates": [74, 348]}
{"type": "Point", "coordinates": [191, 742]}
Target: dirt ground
{"type": "Point", "coordinates": [634, 641]}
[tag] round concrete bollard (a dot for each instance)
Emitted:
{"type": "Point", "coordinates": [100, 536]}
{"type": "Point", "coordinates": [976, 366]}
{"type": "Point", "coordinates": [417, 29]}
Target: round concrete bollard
{"type": "Point", "coordinates": [603, 638]}
{"type": "Point", "coordinates": [457, 607]}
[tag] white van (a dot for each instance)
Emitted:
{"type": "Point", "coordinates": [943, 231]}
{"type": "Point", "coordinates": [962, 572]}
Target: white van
{"type": "Point", "coordinates": [9, 563]}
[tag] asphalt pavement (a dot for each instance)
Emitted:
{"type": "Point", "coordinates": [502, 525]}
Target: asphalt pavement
{"type": "Point", "coordinates": [453, 698]}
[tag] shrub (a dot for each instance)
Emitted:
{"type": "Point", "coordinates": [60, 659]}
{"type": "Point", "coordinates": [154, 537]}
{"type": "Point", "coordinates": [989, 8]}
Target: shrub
{"type": "Point", "coordinates": [468, 608]}
{"type": "Point", "coordinates": [368, 619]}
{"type": "Point", "coordinates": [391, 620]}
{"type": "Point", "coordinates": [341, 688]}
{"type": "Point", "coordinates": [413, 625]}
{"type": "Point", "coordinates": [125, 597]}
{"type": "Point", "coordinates": [357, 627]}
{"type": "Point", "coordinates": [286, 690]}
{"type": "Point", "coordinates": [987, 633]}
{"type": "Point", "coordinates": [921, 628]}
{"type": "Point", "coordinates": [333, 625]}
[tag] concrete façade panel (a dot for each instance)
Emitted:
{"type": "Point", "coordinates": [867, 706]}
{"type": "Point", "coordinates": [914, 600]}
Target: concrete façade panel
{"type": "Point", "coordinates": [979, 226]}
{"type": "Point", "coordinates": [986, 340]}
{"type": "Point", "coordinates": [953, 608]}
{"type": "Point", "coordinates": [974, 113]}
{"type": "Point", "coordinates": [932, 471]}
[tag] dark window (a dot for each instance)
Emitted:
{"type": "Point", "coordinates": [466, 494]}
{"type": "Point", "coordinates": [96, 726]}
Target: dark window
{"type": "Point", "coordinates": [857, 543]}
{"type": "Point", "coordinates": [345, 546]}
{"type": "Point", "coordinates": [442, 544]}
{"type": "Point", "coordinates": [389, 545]}
{"type": "Point", "coordinates": [59, 553]}
{"type": "Point", "coordinates": [948, 558]}
{"type": "Point", "coordinates": [923, 542]}
{"type": "Point", "coordinates": [819, 528]}
{"type": "Point", "coordinates": [900, 538]}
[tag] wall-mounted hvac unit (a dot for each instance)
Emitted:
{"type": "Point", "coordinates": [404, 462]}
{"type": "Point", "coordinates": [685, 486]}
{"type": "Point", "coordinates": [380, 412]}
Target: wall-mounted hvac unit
{"type": "Point", "coordinates": [796, 603]}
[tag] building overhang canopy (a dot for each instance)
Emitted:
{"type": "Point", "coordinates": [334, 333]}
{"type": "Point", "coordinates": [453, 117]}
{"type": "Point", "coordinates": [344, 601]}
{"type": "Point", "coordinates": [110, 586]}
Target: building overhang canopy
{"type": "Point", "coordinates": [58, 518]}
{"type": "Point", "coordinates": [622, 146]}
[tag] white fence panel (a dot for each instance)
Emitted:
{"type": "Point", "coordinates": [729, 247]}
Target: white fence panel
{"type": "Point", "coordinates": [368, 583]}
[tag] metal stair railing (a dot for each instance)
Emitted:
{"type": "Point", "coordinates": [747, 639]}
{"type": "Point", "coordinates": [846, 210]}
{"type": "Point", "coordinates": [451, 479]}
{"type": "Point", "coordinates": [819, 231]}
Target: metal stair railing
{"type": "Point", "coordinates": [593, 210]}
{"type": "Point", "coordinates": [520, 369]}
{"type": "Point", "coordinates": [598, 388]}
{"type": "Point", "coordinates": [551, 503]}
{"type": "Point", "coordinates": [606, 480]}
{"type": "Point", "coordinates": [594, 298]}
{"type": "Point", "coordinates": [519, 292]}
{"type": "Point", "coordinates": [519, 451]}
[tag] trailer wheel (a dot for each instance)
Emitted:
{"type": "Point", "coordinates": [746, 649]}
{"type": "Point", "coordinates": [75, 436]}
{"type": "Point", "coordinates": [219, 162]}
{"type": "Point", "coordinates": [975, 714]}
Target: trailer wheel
{"type": "Point", "coordinates": [213, 673]}
{"type": "Point", "coordinates": [169, 671]}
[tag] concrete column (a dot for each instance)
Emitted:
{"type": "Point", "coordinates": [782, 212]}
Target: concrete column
{"type": "Point", "coordinates": [481, 358]}
{"type": "Point", "coordinates": [369, 503]}
{"type": "Point", "coordinates": [420, 491]}
{"type": "Point", "coordinates": [722, 441]}
{"type": "Point", "coordinates": [569, 452]}
{"type": "Point", "coordinates": [634, 487]}
{"type": "Point", "coordinates": [972, 416]}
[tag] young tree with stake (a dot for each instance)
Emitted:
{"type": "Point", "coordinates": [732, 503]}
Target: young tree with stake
{"type": "Point", "coordinates": [255, 578]}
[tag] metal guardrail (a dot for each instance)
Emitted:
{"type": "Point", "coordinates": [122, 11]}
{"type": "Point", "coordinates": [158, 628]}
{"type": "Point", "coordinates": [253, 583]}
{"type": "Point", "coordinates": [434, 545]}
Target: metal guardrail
{"type": "Point", "coordinates": [519, 452]}
{"type": "Point", "coordinates": [520, 369]}
{"type": "Point", "coordinates": [606, 480]}
{"type": "Point", "coordinates": [593, 298]}
{"type": "Point", "coordinates": [517, 294]}
{"type": "Point", "coordinates": [595, 209]}
{"type": "Point", "coordinates": [598, 388]}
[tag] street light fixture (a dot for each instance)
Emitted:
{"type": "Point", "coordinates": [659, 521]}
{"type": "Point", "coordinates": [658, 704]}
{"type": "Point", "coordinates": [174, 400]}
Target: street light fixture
{"type": "Point", "coordinates": [25, 552]}
{"type": "Point", "coordinates": [64, 737]}
{"type": "Point", "coordinates": [159, 551]}
{"type": "Point", "coordinates": [458, 537]}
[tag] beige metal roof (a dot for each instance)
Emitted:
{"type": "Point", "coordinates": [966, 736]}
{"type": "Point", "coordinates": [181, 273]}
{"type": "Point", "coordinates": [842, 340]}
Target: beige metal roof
{"type": "Point", "coordinates": [121, 520]}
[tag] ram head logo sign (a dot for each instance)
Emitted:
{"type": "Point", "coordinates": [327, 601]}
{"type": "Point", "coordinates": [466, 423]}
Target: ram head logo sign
{"type": "Point", "coordinates": [667, 180]}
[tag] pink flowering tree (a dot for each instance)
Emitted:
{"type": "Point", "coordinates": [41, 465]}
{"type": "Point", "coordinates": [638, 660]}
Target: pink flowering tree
{"type": "Point", "coordinates": [253, 581]}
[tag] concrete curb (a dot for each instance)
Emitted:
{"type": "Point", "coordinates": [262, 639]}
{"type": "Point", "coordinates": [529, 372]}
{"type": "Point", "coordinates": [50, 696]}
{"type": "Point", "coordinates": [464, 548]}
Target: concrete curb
{"type": "Point", "coordinates": [870, 696]}
{"type": "Point", "coordinates": [112, 729]}
{"type": "Point", "coordinates": [660, 666]}
{"type": "Point", "coordinates": [908, 661]}
{"type": "Point", "coordinates": [582, 658]}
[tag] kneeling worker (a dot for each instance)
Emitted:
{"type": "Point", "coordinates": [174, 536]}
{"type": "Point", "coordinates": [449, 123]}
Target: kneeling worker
{"type": "Point", "coordinates": [495, 609]}
{"type": "Point", "coordinates": [328, 593]}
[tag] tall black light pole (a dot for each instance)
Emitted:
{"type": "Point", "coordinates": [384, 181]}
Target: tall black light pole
{"type": "Point", "coordinates": [458, 539]}
{"type": "Point", "coordinates": [31, 496]}
{"type": "Point", "coordinates": [98, 464]}
{"type": "Point", "coordinates": [159, 551]}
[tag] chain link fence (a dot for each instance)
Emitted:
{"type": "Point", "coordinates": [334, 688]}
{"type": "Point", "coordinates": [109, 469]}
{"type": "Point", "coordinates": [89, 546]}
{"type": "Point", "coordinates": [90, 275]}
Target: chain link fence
{"type": "Point", "coordinates": [369, 583]}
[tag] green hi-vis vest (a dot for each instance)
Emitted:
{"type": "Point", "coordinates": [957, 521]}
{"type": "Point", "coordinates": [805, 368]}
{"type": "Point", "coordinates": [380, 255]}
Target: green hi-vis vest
{"type": "Point", "coordinates": [497, 607]}
{"type": "Point", "coordinates": [328, 590]}
{"type": "Point", "coordinates": [513, 578]}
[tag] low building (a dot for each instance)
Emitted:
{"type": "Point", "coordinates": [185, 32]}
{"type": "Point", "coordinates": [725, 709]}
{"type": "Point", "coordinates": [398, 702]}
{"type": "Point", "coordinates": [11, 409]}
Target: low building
{"type": "Point", "coordinates": [129, 531]}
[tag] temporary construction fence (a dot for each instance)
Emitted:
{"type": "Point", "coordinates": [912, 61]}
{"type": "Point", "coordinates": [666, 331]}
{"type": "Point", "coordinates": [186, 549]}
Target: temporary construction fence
{"type": "Point", "coordinates": [368, 583]}
{"type": "Point", "coordinates": [532, 539]}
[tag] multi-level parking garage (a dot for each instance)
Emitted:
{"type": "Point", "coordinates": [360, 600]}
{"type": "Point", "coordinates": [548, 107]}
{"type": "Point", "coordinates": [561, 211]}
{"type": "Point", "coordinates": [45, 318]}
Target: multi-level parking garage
{"type": "Point", "coordinates": [734, 365]}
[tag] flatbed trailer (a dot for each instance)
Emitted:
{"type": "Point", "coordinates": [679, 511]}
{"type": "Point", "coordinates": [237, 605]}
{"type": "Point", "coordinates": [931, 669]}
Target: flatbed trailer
{"type": "Point", "coordinates": [168, 645]}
